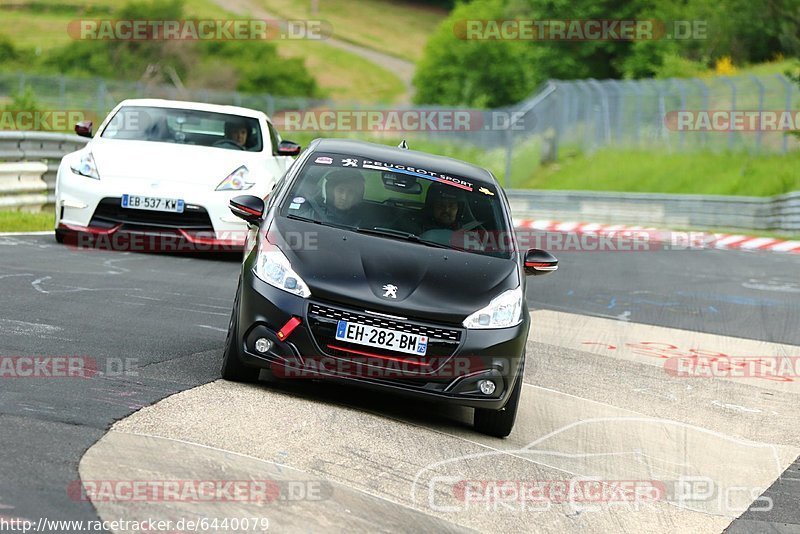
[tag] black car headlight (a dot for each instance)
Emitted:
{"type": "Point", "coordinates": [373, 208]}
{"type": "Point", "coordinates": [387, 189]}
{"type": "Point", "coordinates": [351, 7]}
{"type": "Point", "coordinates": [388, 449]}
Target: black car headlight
{"type": "Point", "coordinates": [503, 311]}
{"type": "Point", "coordinates": [274, 268]}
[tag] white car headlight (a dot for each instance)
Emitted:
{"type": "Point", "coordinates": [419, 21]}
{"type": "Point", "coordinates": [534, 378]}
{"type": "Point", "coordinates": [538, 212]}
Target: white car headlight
{"type": "Point", "coordinates": [86, 166]}
{"type": "Point", "coordinates": [503, 311]}
{"type": "Point", "coordinates": [273, 268]}
{"type": "Point", "coordinates": [236, 181]}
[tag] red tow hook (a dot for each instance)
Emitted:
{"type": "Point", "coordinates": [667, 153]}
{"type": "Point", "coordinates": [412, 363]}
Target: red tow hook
{"type": "Point", "coordinates": [288, 328]}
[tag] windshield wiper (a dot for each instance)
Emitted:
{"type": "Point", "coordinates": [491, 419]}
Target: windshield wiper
{"type": "Point", "coordinates": [301, 218]}
{"type": "Point", "coordinates": [390, 232]}
{"type": "Point", "coordinates": [309, 219]}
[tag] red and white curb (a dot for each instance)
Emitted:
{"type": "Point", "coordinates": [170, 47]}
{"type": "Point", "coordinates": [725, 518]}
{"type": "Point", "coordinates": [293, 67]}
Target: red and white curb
{"type": "Point", "coordinates": [694, 238]}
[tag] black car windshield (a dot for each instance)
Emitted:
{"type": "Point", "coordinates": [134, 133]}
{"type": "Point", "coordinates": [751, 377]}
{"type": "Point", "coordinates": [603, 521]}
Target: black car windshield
{"type": "Point", "coordinates": [186, 127]}
{"type": "Point", "coordinates": [399, 201]}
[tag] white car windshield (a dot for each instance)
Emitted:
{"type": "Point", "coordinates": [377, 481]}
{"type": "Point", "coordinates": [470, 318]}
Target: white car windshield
{"type": "Point", "coordinates": [399, 201]}
{"type": "Point", "coordinates": [185, 126]}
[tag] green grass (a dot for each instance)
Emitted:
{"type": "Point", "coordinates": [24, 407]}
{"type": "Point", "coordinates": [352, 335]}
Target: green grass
{"type": "Point", "coordinates": [21, 221]}
{"type": "Point", "coordinates": [31, 25]}
{"type": "Point", "coordinates": [343, 76]}
{"type": "Point", "coordinates": [725, 173]}
{"type": "Point", "coordinates": [779, 66]}
{"type": "Point", "coordinates": [394, 27]}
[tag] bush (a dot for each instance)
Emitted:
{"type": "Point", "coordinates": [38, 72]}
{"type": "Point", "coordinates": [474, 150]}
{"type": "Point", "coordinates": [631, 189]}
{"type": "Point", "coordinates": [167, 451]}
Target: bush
{"type": "Point", "coordinates": [260, 70]}
{"type": "Point", "coordinates": [23, 101]}
{"type": "Point", "coordinates": [8, 52]}
{"type": "Point", "coordinates": [255, 64]}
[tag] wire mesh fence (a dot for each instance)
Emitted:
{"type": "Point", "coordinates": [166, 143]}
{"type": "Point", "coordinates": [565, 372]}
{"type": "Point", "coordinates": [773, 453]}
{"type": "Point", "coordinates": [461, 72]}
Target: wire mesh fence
{"type": "Point", "coordinates": [750, 113]}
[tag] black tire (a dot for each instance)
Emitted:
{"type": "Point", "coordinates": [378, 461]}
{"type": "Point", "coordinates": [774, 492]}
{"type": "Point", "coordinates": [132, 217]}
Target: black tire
{"type": "Point", "coordinates": [500, 423]}
{"type": "Point", "coordinates": [232, 367]}
{"type": "Point", "coordinates": [59, 237]}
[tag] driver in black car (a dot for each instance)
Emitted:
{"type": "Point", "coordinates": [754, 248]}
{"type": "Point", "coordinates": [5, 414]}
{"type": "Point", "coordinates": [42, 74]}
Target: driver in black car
{"type": "Point", "coordinates": [449, 220]}
{"type": "Point", "coordinates": [236, 132]}
{"type": "Point", "coordinates": [344, 191]}
{"type": "Point", "coordinates": [445, 208]}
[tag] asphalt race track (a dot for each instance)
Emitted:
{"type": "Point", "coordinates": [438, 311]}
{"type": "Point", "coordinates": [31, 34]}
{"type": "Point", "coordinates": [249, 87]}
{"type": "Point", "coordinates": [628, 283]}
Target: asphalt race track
{"type": "Point", "coordinates": [601, 403]}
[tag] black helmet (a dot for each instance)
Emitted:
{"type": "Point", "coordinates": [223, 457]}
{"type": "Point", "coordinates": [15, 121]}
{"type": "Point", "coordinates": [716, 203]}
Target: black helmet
{"type": "Point", "coordinates": [439, 191]}
{"type": "Point", "coordinates": [343, 176]}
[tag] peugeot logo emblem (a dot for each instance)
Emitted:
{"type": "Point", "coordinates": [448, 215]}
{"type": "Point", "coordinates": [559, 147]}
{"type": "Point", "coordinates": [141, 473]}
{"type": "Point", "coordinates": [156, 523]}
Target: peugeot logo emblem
{"type": "Point", "coordinates": [390, 291]}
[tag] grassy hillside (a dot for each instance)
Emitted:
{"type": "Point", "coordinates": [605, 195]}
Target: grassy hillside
{"type": "Point", "coordinates": [397, 28]}
{"type": "Point", "coordinates": [41, 25]}
{"type": "Point", "coordinates": [724, 173]}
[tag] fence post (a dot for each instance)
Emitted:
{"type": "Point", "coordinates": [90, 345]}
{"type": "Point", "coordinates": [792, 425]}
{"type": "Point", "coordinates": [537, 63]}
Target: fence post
{"type": "Point", "coordinates": [728, 81]}
{"type": "Point", "coordinates": [637, 114]}
{"type": "Point", "coordinates": [101, 100]}
{"type": "Point", "coordinates": [62, 92]}
{"type": "Point", "coordinates": [704, 91]}
{"type": "Point", "coordinates": [682, 92]}
{"type": "Point", "coordinates": [789, 88]}
{"type": "Point", "coordinates": [620, 133]}
{"type": "Point", "coordinates": [566, 101]}
{"type": "Point", "coordinates": [587, 106]}
{"type": "Point", "coordinates": [606, 133]}
{"type": "Point", "coordinates": [509, 155]}
{"type": "Point", "coordinates": [661, 111]}
{"type": "Point", "coordinates": [760, 110]}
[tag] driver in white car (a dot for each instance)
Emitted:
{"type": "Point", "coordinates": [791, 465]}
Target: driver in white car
{"type": "Point", "coordinates": [236, 132]}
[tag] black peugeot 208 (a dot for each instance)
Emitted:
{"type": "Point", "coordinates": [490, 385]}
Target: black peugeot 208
{"type": "Point", "coordinates": [390, 269]}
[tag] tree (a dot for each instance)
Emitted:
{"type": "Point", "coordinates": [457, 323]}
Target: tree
{"type": "Point", "coordinates": [475, 73]}
{"type": "Point", "coordinates": [497, 72]}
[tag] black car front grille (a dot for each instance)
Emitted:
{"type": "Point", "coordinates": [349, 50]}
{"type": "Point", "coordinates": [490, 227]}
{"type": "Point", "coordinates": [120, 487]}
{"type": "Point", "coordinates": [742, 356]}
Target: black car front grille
{"type": "Point", "coordinates": [445, 334]}
{"type": "Point", "coordinates": [110, 212]}
{"type": "Point", "coordinates": [442, 342]}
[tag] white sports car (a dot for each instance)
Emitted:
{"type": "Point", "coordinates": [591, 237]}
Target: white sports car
{"type": "Point", "coordinates": [159, 174]}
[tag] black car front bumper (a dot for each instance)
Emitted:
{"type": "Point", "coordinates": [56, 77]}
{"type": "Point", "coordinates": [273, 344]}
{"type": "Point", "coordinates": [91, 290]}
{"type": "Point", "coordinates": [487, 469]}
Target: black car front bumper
{"type": "Point", "coordinates": [456, 361]}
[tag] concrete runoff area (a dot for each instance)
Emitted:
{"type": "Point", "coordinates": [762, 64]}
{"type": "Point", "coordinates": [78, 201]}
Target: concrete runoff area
{"type": "Point", "coordinates": [166, 317]}
{"type": "Point", "coordinates": [606, 440]}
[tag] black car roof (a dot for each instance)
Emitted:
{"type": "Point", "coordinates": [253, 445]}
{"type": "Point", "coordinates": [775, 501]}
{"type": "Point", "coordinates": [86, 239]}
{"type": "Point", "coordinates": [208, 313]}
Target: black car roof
{"type": "Point", "coordinates": [412, 158]}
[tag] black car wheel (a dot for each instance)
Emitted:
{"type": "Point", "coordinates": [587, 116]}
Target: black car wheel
{"type": "Point", "coordinates": [232, 367]}
{"type": "Point", "coordinates": [499, 423]}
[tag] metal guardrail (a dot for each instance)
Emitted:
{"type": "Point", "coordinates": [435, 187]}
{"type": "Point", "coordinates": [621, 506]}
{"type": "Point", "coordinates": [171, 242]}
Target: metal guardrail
{"type": "Point", "coordinates": [46, 147]}
{"type": "Point", "coordinates": [777, 214]}
{"type": "Point", "coordinates": [780, 214]}
{"type": "Point", "coordinates": [22, 186]}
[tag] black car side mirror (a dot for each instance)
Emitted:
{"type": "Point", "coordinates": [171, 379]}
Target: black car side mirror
{"type": "Point", "coordinates": [247, 207]}
{"type": "Point", "coordinates": [84, 129]}
{"type": "Point", "coordinates": [288, 148]}
{"type": "Point", "coordinates": [539, 262]}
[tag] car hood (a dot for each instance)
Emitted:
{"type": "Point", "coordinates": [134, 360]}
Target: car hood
{"type": "Point", "coordinates": [346, 267]}
{"type": "Point", "coordinates": [170, 162]}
